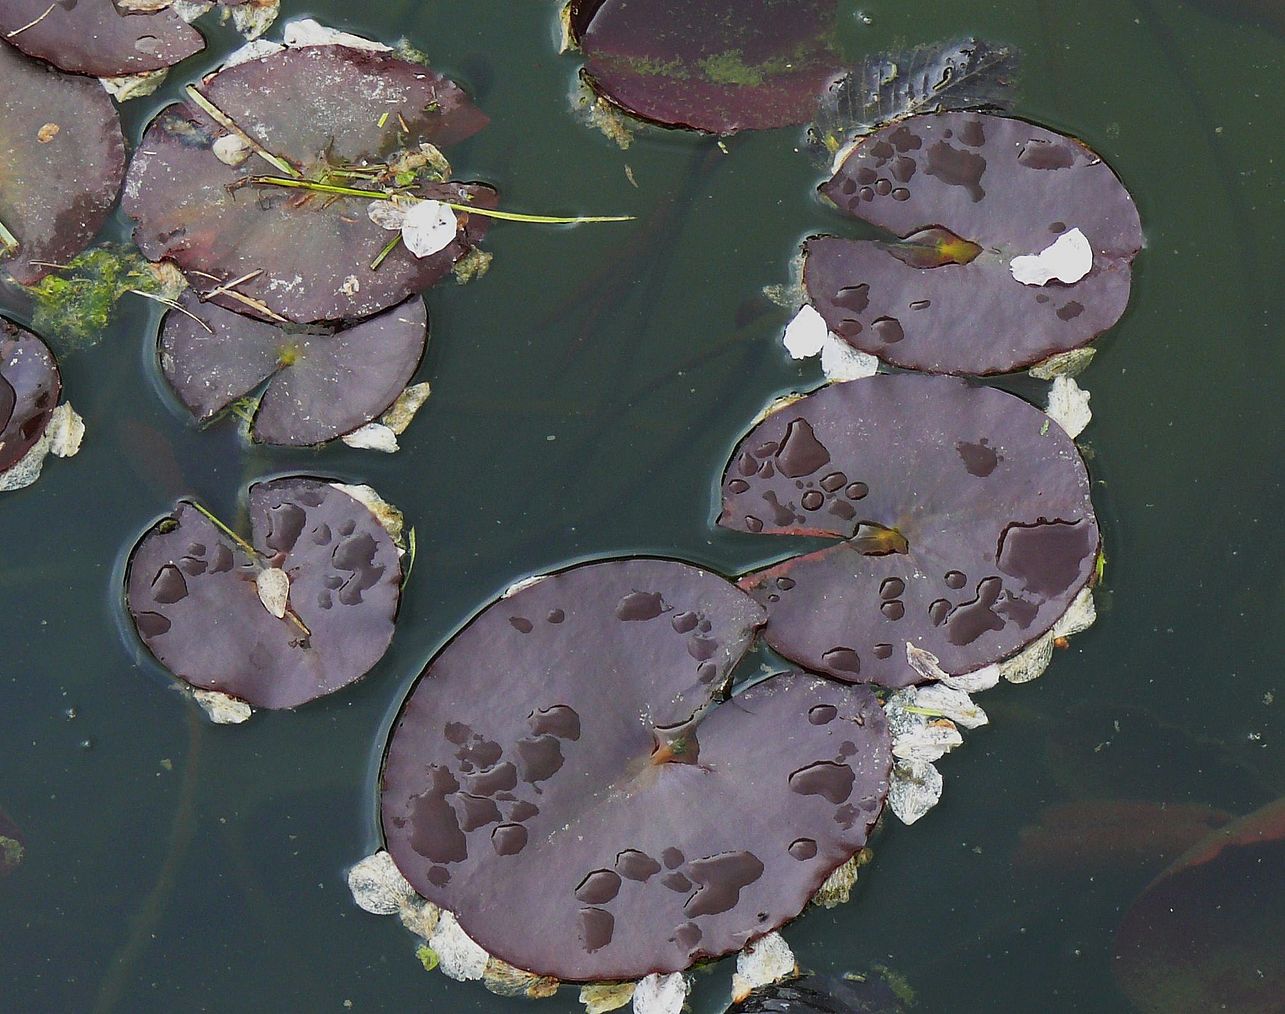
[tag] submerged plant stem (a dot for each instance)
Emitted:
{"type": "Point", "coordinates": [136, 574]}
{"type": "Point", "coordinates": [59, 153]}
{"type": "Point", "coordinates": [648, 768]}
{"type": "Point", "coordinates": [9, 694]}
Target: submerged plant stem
{"type": "Point", "coordinates": [383, 254]}
{"type": "Point", "coordinates": [380, 195]}
{"type": "Point", "coordinates": [225, 121]}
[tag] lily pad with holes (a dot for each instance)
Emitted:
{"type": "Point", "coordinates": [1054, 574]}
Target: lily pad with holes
{"type": "Point", "coordinates": [718, 66]}
{"type": "Point", "coordinates": [320, 385]}
{"type": "Point", "coordinates": [94, 37]}
{"type": "Point", "coordinates": [964, 512]}
{"type": "Point", "coordinates": [564, 779]}
{"type": "Point", "coordinates": [29, 390]}
{"type": "Point", "coordinates": [975, 202]}
{"type": "Point", "coordinates": [201, 605]}
{"type": "Point", "coordinates": [1206, 934]}
{"type": "Point", "coordinates": [62, 159]}
{"type": "Point", "coordinates": [329, 111]}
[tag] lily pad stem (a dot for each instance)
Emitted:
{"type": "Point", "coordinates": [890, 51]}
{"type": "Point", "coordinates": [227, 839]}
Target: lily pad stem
{"type": "Point", "coordinates": [380, 195]}
{"type": "Point", "coordinates": [225, 121]}
{"type": "Point", "coordinates": [246, 548]}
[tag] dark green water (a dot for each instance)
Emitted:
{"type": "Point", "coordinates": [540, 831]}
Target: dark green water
{"type": "Point", "coordinates": [586, 394]}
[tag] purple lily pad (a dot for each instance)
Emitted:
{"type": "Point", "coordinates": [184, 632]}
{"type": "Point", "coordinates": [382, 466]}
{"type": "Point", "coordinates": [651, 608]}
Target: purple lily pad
{"type": "Point", "coordinates": [320, 108]}
{"type": "Point", "coordinates": [319, 385]}
{"type": "Point", "coordinates": [1207, 934]}
{"type": "Point", "coordinates": [968, 193]}
{"type": "Point", "coordinates": [563, 779]}
{"type": "Point", "coordinates": [192, 593]}
{"type": "Point", "coordinates": [94, 37]}
{"type": "Point", "coordinates": [965, 513]}
{"type": "Point", "coordinates": [718, 66]}
{"type": "Point", "coordinates": [29, 390]}
{"type": "Point", "coordinates": [62, 159]}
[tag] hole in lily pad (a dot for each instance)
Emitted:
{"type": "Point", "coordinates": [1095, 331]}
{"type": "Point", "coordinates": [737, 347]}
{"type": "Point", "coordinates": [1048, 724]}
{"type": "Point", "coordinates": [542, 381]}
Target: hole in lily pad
{"type": "Point", "coordinates": [718, 66]}
{"type": "Point", "coordinates": [319, 385]}
{"type": "Point", "coordinates": [328, 115]}
{"type": "Point", "coordinates": [615, 845]}
{"type": "Point", "coordinates": [1016, 245]}
{"type": "Point", "coordinates": [309, 611]}
{"type": "Point", "coordinates": [62, 165]}
{"type": "Point", "coordinates": [94, 37]}
{"type": "Point", "coordinates": [972, 534]}
{"type": "Point", "coordinates": [29, 391]}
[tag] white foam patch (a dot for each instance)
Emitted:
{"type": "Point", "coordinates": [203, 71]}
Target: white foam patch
{"type": "Point", "coordinates": [806, 333]}
{"type": "Point", "coordinates": [1067, 259]}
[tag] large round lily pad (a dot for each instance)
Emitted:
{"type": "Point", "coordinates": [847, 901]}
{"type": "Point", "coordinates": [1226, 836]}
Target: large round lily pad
{"type": "Point", "coordinates": [557, 780]}
{"type": "Point", "coordinates": [62, 159]}
{"type": "Point", "coordinates": [320, 385]}
{"type": "Point", "coordinates": [308, 255]}
{"type": "Point", "coordinates": [718, 66]}
{"type": "Point", "coordinates": [1207, 934]}
{"type": "Point", "coordinates": [29, 390]}
{"type": "Point", "coordinates": [971, 195]}
{"type": "Point", "coordinates": [965, 513]}
{"type": "Point", "coordinates": [94, 37]}
{"type": "Point", "coordinates": [195, 597]}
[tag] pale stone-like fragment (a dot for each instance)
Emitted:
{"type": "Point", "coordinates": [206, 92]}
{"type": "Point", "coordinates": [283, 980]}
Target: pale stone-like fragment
{"type": "Point", "coordinates": [1068, 406]}
{"type": "Point", "coordinates": [915, 735]}
{"type": "Point", "coordinates": [231, 149]}
{"type": "Point", "coordinates": [392, 520]}
{"type": "Point", "coordinates": [255, 50]}
{"type": "Point", "coordinates": [66, 431]}
{"type": "Point", "coordinates": [1079, 616]}
{"type": "Point", "coordinates": [377, 885]}
{"type": "Point", "coordinates": [504, 979]}
{"type": "Point", "coordinates": [309, 32]}
{"type": "Point", "coordinates": [1067, 259]}
{"type": "Point", "coordinates": [420, 917]}
{"type": "Point", "coordinates": [840, 362]}
{"type": "Point", "coordinates": [403, 410]}
{"type": "Point", "coordinates": [661, 994]}
{"type": "Point", "coordinates": [222, 709]}
{"type": "Point", "coordinates": [372, 437]}
{"type": "Point", "coordinates": [916, 788]}
{"type": "Point", "coordinates": [950, 703]}
{"type": "Point", "coordinates": [461, 957]}
{"type": "Point", "coordinates": [134, 86]}
{"type": "Point", "coordinates": [273, 584]}
{"type": "Point", "coordinates": [765, 960]}
{"type": "Point", "coordinates": [603, 997]}
{"type": "Point", "coordinates": [837, 887]}
{"type": "Point", "coordinates": [806, 333]}
{"type": "Point", "coordinates": [1064, 364]}
{"type": "Point", "coordinates": [1029, 663]}
{"type": "Point", "coordinates": [522, 584]}
{"type": "Point", "coordinates": [255, 17]}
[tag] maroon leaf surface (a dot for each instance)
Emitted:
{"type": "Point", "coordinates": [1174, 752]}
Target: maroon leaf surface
{"type": "Point", "coordinates": [1207, 933]}
{"type": "Point", "coordinates": [192, 594]}
{"type": "Point", "coordinates": [93, 37]}
{"type": "Point", "coordinates": [62, 159]}
{"type": "Point", "coordinates": [559, 781]}
{"type": "Point", "coordinates": [1006, 188]}
{"type": "Point", "coordinates": [965, 513]}
{"type": "Point", "coordinates": [319, 385]}
{"type": "Point", "coordinates": [29, 390]}
{"type": "Point", "coordinates": [321, 108]}
{"type": "Point", "coordinates": [719, 66]}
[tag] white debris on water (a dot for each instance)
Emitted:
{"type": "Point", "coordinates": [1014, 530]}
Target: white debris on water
{"type": "Point", "coordinates": [222, 709]}
{"type": "Point", "coordinates": [377, 885]}
{"type": "Point", "coordinates": [460, 956]}
{"type": "Point", "coordinates": [661, 994]}
{"type": "Point", "coordinates": [1067, 259]}
{"type": "Point", "coordinates": [765, 960]}
{"type": "Point", "coordinates": [1068, 406]}
{"type": "Point", "coordinates": [915, 789]}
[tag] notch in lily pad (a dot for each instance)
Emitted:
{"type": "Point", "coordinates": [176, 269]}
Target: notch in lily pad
{"type": "Point", "coordinates": [261, 183]}
{"type": "Point", "coordinates": [1010, 244]}
{"type": "Point", "coordinates": [569, 759]}
{"type": "Point", "coordinates": [63, 165]}
{"type": "Point", "coordinates": [965, 524]}
{"type": "Point", "coordinates": [33, 424]}
{"type": "Point", "coordinates": [317, 384]}
{"type": "Point", "coordinates": [301, 608]}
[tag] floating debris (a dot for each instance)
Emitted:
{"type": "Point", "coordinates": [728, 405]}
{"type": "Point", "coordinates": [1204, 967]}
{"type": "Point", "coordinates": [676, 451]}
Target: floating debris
{"type": "Point", "coordinates": [32, 423]}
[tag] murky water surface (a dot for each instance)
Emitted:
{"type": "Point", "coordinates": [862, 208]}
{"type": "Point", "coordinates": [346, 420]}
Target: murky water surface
{"type": "Point", "coordinates": [586, 394]}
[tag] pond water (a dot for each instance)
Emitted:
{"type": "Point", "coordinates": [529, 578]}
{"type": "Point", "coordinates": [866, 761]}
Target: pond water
{"type": "Point", "coordinates": [586, 394]}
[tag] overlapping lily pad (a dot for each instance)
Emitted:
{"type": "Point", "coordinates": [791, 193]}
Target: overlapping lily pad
{"type": "Point", "coordinates": [29, 391]}
{"type": "Point", "coordinates": [563, 779]}
{"type": "Point", "coordinates": [319, 385]}
{"type": "Point", "coordinates": [974, 199]}
{"type": "Point", "coordinates": [203, 606]}
{"type": "Point", "coordinates": [324, 110]}
{"type": "Point", "coordinates": [62, 159]}
{"type": "Point", "coordinates": [95, 37]}
{"type": "Point", "coordinates": [718, 66]}
{"type": "Point", "coordinates": [964, 512]}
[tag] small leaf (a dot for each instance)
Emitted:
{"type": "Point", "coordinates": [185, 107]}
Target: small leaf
{"type": "Point", "coordinates": [274, 590]}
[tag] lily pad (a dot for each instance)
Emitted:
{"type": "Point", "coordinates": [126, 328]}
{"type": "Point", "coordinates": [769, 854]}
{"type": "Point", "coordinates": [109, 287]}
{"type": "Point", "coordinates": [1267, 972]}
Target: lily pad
{"type": "Point", "coordinates": [94, 37]}
{"type": "Point", "coordinates": [319, 385]}
{"type": "Point", "coordinates": [964, 512]}
{"type": "Point", "coordinates": [200, 604]}
{"type": "Point", "coordinates": [298, 255]}
{"type": "Point", "coordinates": [29, 391]}
{"type": "Point", "coordinates": [976, 202]}
{"type": "Point", "coordinates": [62, 159]}
{"type": "Point", "coordinates": [565, 781]}
{"type": "Point", "coordinates": [1207, 934]}
{"type": "Point", "coordinates": [719, 66]}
